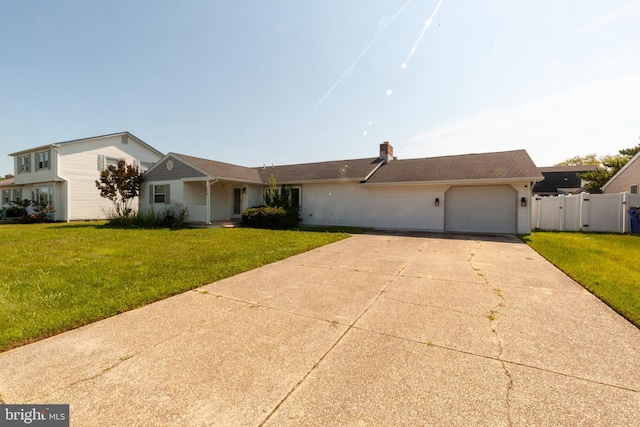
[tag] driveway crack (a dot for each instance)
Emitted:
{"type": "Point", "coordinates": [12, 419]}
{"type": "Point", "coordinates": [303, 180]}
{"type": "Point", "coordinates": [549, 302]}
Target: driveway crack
{"type": "Point", "coordinates": [492, 317]}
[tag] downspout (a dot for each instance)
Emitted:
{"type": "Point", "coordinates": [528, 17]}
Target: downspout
{"type": "Point", "coordinates": [66, 188]}
{"type": "Point", "coordinates": [208, 206]}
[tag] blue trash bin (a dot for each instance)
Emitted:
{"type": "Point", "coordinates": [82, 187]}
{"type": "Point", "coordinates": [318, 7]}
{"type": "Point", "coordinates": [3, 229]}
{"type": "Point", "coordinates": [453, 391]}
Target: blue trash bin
{"type": "Point", "coordinates": [635, 220]}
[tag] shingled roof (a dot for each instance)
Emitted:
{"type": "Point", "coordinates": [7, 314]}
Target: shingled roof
{"type": "Point", "coordinates": [504, 165]}
{"type": "Point", "coordinates": [354, 169]}
{"type": "Point", "coordinates": [223, 170]}
{"type": "Point", "coordinates": [485, 166]}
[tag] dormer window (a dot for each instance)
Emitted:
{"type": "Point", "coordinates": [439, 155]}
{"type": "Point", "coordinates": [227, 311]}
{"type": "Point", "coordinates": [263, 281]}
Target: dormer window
{"type": "Point", "coordinates": [24, 164]}
{"type": "Point", "coordinates": [42, 160]}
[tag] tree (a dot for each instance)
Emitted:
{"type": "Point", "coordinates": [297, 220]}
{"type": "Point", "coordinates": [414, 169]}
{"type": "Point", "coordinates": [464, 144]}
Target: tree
{"type": "Point", "coordinates": [589, 159]}
{"type": "Point", "coordinates": [120, 184]}
{"type": "Point", "coordinates": [609, 165]}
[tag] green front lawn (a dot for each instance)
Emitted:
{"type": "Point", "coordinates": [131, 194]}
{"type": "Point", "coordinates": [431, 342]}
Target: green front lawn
{"type": "Point", "coordinates": [56, 277]}
{"type": "Point", "coordinates": [608, 265]}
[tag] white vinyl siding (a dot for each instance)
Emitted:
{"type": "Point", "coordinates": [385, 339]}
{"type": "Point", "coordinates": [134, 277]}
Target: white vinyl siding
{"type": "Point", "coordinates": [626, 178]}
{"type": "Point", "coordinates": [481, 209]}
{"type": "Point", "coordinates": [77, 165]}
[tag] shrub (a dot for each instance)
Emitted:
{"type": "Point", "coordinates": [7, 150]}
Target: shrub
{"type": "Point", "coordinates": [277, 213]}
{"type": "Point", "coordinates": [16, 211]}
{"type": "Point", "coordinates": [270, 217]}
{"type": "Point", "coordinates": [174, 216]}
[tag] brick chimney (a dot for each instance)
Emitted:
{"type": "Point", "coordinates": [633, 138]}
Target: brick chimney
{"type": "Point", "coordinates": [386, 152]}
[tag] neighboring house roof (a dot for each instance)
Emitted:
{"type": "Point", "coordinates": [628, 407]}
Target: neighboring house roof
{"type": "Point", "coordinates": [564, 178]}
{"type": "Point", "coordinates": [74, 141]}
{"type": "Point", "coordinates": [8, 182]}
{"type": "Point", "coordinates": [624, 168]}
{"type": "Point", "coordinates": [352, 169]}
{"type": "Point", "coordinates": [504, 165]}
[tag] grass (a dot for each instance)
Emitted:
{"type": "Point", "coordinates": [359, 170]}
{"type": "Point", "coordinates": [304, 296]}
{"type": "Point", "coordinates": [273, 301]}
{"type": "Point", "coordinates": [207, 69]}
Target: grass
{"type": "Point", "coordinates": [608, 265]}
{"type": "Point", "coordinates": [56, 277]}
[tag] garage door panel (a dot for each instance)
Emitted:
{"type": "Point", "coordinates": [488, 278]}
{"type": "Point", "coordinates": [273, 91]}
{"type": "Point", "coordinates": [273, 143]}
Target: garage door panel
{"type": "Point", "coordinates": [482, 209]}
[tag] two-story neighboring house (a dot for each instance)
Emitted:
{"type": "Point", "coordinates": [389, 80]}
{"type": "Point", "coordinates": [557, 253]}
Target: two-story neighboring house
{"type": "Point", "coordinates": [64, 173]}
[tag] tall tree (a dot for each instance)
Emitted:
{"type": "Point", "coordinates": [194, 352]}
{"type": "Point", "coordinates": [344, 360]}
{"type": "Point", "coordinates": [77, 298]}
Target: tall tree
{"type": "Point", "coordinates": [589, 159]}
{"type": "Point", "coordinates": [120, 184]}
{"type": "Point", "coordinates": [609, 165]}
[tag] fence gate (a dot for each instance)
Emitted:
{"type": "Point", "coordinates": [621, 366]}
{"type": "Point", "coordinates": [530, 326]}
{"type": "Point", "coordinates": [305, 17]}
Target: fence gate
{"type": "Point", "coordinates": [584, 212]}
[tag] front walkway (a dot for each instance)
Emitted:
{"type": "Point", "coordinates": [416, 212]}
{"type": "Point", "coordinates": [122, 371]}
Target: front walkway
{"type": "Point", "coordinates": [372, 330]}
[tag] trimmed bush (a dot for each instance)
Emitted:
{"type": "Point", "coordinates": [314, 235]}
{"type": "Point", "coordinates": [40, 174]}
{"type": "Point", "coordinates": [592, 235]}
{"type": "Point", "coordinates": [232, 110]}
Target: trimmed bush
{"type": "Point", "coordinates": [270, 217]}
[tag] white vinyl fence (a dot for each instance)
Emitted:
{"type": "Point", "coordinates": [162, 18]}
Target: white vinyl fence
{"type": "Point", "coordinates": [584, 212]}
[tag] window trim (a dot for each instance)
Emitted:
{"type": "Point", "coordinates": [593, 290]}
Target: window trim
{"type": "Point", "coordinates": [24, 166]}
{"type": "Point", "coordinates": [48, 191]}
{"type": "Point", "coordinates": [154, 194]}
{"type": "Point", "coordinates": [631, 188]}
{"type": "Point", "coordinates": [44, 164]}
{"type": "Point", "coordinates": [159, 197]}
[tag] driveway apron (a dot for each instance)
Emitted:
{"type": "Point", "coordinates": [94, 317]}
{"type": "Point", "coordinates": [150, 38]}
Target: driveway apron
{"type": "Point", "coordinates": [377, 329]}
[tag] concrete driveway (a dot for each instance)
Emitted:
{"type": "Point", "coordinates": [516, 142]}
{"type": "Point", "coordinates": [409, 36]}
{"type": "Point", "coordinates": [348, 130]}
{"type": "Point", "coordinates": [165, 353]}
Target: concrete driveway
{"type": "Point", "coordinates": [372, 330]}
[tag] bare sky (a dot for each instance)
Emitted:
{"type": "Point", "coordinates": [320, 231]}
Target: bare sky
{"type": "Point", "coordinates": [253, 82]}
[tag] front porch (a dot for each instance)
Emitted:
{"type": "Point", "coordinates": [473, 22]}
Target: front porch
{"type": "Point", "coordinates": [219, 203]}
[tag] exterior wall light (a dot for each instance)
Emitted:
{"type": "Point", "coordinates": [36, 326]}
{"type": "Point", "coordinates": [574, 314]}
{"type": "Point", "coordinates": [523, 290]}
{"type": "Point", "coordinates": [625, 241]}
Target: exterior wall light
{"type": "Point", "coordinates": [244, 189]}
{"type": "Point", "coordinates": [437, 202]}
{"type": "Point", "coordinates": [523, 202]}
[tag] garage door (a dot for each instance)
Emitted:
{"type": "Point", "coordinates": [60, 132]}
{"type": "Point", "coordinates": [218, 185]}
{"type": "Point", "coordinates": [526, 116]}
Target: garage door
{"type": "Point", "coordinates": [482, 209]}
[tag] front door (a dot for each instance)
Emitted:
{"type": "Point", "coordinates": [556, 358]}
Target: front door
{"type": "Point", "coordinates": [237, 202]}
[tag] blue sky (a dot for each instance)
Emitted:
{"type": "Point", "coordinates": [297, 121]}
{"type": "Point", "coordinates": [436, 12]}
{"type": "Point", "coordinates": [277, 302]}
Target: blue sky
{"type": "Point", "coordinates": [252, 82]}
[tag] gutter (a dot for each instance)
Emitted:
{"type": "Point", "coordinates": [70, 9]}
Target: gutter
{"type": "Point", "coordinates": [66, 186]}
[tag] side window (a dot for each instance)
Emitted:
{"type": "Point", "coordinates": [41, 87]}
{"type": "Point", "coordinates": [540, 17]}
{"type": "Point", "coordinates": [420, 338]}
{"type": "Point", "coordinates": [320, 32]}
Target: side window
{"type": "Point", "coordinates": [45, 195]}
{"type": "Point", "coordinates": [42, 160]}
{"type": "Point", "coordinates": [24, 164]}
{"type": "Point", "coordinates": [159, 194]}
{"type": "Point", "coordinates": [633, 189]}
{"type": "Point", "coordinates": [5, 197]}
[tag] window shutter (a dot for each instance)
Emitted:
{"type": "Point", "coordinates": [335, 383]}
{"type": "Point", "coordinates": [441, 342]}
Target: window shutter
{"type": "Point", "coordinates": [167, 199]}
{"type": "Point", "coordinates": [101, 166]}
{"type": "Point", "coordinates": [151, 194]}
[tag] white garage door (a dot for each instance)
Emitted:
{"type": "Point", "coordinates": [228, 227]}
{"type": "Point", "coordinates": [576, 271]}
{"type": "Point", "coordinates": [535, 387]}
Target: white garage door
{"type": "Point", "coordinates": [482, 209]}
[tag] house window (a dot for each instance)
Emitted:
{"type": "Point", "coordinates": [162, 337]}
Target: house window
{"type": "Point", "coordinates": [112, 161]}
{"type": "Point", "coordinates": [45, 195]}
{"type": "Point", "coordinates": [6, 196]}
{"type": "Point", "coordinates": [159, 194]}
{"type": "Point", "coordinates": [633, 189]}
{"type": "Point", "coordinates": [295, 196]}
{"type": "Point", "coordinates": [17, 195]}
{"type": "Point", "coordinates": [24, 164]}
{"type": "Point", "coordinates": [42, 160]}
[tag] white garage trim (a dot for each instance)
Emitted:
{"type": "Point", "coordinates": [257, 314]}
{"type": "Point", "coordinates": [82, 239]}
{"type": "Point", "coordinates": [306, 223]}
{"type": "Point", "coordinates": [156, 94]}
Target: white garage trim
{"type": "Point", "coordinates": [481, 209]}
